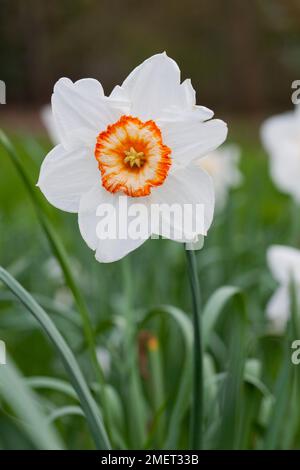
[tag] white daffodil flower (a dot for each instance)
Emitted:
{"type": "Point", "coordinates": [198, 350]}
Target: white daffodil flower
{"type": "Point", "coordinates": [141, 143]}
{"type": "Point", "coordinates": [281, 138]}
{"type": "Point", "coordinates": [284, 264]}
{"type": "Point", "coordinates": [222, 165]}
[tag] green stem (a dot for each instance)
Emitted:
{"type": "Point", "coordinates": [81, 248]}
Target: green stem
{"type": "Point", "coordinates": [197, 401]}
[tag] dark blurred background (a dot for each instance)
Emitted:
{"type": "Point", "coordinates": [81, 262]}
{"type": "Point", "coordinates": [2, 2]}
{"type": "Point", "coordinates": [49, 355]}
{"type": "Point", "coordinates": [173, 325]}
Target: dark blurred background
{"type": "Point", "coordinates": [242, 55]}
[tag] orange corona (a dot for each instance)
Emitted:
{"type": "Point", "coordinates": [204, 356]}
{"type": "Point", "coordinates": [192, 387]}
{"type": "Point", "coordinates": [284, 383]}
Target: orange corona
{"type": "Point", "coordinates": [132, 157]}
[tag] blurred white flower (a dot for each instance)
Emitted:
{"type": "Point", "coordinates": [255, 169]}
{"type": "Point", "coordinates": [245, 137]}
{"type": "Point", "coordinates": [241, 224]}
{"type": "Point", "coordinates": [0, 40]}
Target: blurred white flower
{"type": "Point", "coordinates": [49, 123]}
{"type": "Point", "coordinates": [284, 263]}
{"type": "Point", "coordinates": [141, 141]}
{"type": "Point", "coordinates": [222, 165]}
{"type": "Point", "coordinates": [281, 138]}
{"type": "Point", "coordinates": [53, 270]}
{"type": "Point", "coordinates": [104, 359]}
{"type": "Point", "coordinates": [64, 296]}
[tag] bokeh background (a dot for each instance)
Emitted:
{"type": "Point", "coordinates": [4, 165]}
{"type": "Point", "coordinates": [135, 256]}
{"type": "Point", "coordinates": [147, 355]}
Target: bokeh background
{"type": "Point", "coordinates": [242, 57]}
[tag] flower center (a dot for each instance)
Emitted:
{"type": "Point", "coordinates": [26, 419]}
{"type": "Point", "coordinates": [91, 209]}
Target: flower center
{"type": "Point", "coordinates": [132, 157]}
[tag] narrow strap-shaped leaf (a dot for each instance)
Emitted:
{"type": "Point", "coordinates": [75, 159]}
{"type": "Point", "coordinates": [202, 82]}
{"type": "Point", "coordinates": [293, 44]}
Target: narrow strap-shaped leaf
{"type": "Point", "coordinates": [196, 436]}
{"type": "Point", "coordinates": [62, 258]}
{"type": "Point", "coordinates": [65, 411]}
{"type": "Point", "coordinates": [283, 384]}
{"type": "Point", "coordinates": [26, 407]}
{"type": "Point", "coordinates": [181, 402]}
{"type": "Point", "coordinates": [214, 308]}
{"type": "Point", "coordinates": [88, 403]}
{"type": "Point", "coordinates": [50, 383]}
{"type": "Point", "coordinates": [232, 398]}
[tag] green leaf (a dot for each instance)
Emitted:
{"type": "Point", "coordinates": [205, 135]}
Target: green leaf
{"type": "Point", "coordinates": [157, 386]}
{"type": "Point", "coordinates": [50, 383]}
{"type": "Point", "coordinates": [136, 406]}
{"type": "Point", "coordinates": [283, 391]}
{"type": "Point", "coordinates": [214, 308]}
{"type": "Point", "coordinates": [65, 411]}
{"type": "Point", "coordinates": [88, 403]}
{"type": "Point", "coordinates": [25, 404]}
{"type": "Point", "coordinates": [232, 397]}
{"type": "Point", "coordinates": [185, 381]}
{"type": "Point", "coordinates": [255, 392]}
{"type": "Point", "coordinates": [115, 415]}
{"type": "Point", "coordinates": [62, 258]}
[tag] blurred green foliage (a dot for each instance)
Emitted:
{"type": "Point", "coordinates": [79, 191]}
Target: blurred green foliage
{"type": "Point", "coordinates": [147, 330]}
{"type": "Point", "coordinates": [243, 57]}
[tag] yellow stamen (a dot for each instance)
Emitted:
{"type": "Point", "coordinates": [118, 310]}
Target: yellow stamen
{"type": "Point", "coordinates": [134, 158]}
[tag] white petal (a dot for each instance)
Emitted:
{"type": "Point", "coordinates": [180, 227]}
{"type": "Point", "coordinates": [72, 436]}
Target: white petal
{"type": "Point", "coordinates": [284, 263]}
{"type": "Point", "coordinates": [112, 249]}
{"type": "Point", "coordinates": [187, 188]}
{"type": "Point", "coordinates": [49, 123]}
{"type": "Point", "coordinates": [153, 86]}
{"type": "Point", "coordinates": [178, 114]}
{"type": "Point", "coordinates": [285, 170]}
{"type": "Point", "coordinates": [191, 140]}
{"type": "Point", "coordinates": [188, 92]}
{"type": "Point", "coordinates": [222, 165]}
{"type": "Point", "coordinates": [278, 129]}
{"type": "Point", "coordinates": [155, 92]}
{"type": "Point", "coordinates": [82, 105]}
{"type": "Point", "coordinates": [119, 94]}
{"type": "Point", "coordinates": [231, 157]}
{"type": "Point", "coordinates": [278, 310]}
{"type": "Point", "coordinates": [186, 103]}
{"type": "Point", "coordinates": [280, 136]}
{"type": "Point", "coordinates": [185, 108]}
{"type": "Point", "coordinates": [109, 251]}
{"type": "Point", "coordinates": [66, 175]}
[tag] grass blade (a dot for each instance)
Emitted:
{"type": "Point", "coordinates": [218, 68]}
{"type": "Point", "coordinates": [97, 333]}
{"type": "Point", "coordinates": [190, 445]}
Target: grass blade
{"type": "Point", "coordinates": [283, 384]}
{"type": "Point", "coordinates": [232, 398]}
{"type": "Point", "coordinates": [65, 411]}
{"type": "Point", "coordinates": [157, 384]}
{"type": "Point", "coordinates": [50, 383]}
{"type": "Point", "coordinates": [135, 404]}
{"type": "Point", "coordinates": [196, 440]}
{"type": "Point", "coordinates": [214, 308]}
{"type": "Point", "coordinates": [88, 403]}
{"type": "Point", "coordinates": [181, 401]}
{"type": "Point", "coordinates": [62, 258]}
{"type": "Point", "coordinates": [25, 404]}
